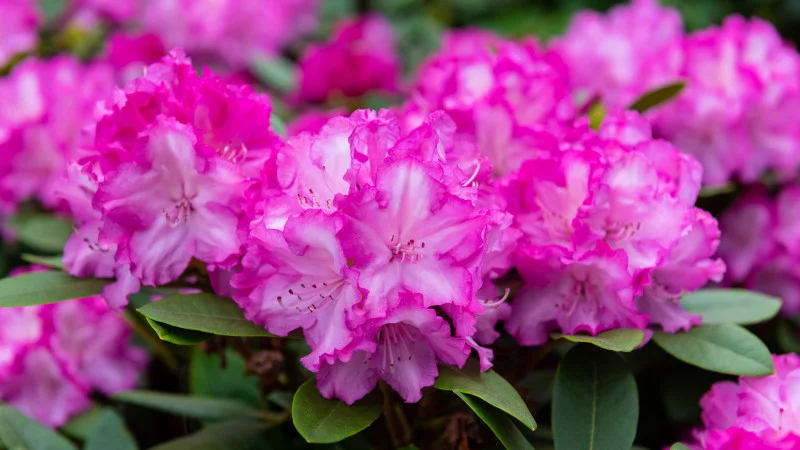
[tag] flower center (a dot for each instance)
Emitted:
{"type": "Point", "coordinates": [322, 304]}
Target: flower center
{"type": "Point", "coordinates": [622, 231]}
{"type": "Point", "coordinates": [309, 200]}
{"type": "Point", "coordinates": [179, 213]}
{"type": "Point", "coordinates": [233, 152]}
{"type": "Point", "coordinates": [396, 339]}
{"type": "Point", "coordinates": [577, 294]}
{"type": "Point", "coordinates": [408, 252]}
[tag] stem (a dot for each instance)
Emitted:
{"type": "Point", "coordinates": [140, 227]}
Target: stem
{"type": "Point", "coordinates": [405, 429]}
{"type": "Point", "coordinates": [388, 415]}
{"type": "Point", "coordinates": [152, 341]}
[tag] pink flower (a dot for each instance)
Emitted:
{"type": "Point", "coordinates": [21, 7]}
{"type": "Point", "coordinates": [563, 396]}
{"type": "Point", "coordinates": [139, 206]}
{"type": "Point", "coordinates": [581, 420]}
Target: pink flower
{"type": "Point", "coordinates": [498, 93]}
{"type": "Point", "coordinates": [611, 238]}
{"type": "Point", "coordinates": [755, 413]}
{"type": "Point", "coordinates": [170, 205]}
{"type": "Point", "coordinates": [229, 32]}
{"type": "Point", "coordinates": [299, 278]}
{"type": "Point", "coordinates": [624, 53]}
{"type": "Point", "coordinates": [736, 438]}
{"type": "Point", "coordinates": [170, 165]}
{"type": "Point", "coordinates": [760, 245]}
{"type": "Point", "coordinates": [311, 121]}
{"type": "Point", "coordinates": [19, 24]}
{"type": "Point", "coordinates": [746, 238]}
{"type": "Point", "coordinates": [430, 243]}
{"type": "Point", "coordinates": [228, 120]}
{"type": "Point", "coordinates": [591, 294]}
{"type": "Point", "coordinates": [360, 57]}
{"type": "Point", "coordinates": [409, 342]}
{"type": "Point", "coordinates": [736, 115]}
{"type": "Point", "coordinates": [47, 104]}
{"type": "Point", "coordinates": [364, 237]}
{"type": "Point", "coordinates": [53, 356]}
{"type": "Point", "coordinates": [129, 54]}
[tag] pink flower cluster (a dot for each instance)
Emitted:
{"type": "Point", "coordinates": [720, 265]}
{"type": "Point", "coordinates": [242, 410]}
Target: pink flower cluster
{"type": "Point", "coordinates": [46, 104]}
{"type": "Point", "coordinates": [19, 25]}
{"type": "Point", "coordinates": [231, 32]}
{"type": "Point", "coordinates": [623, 54]}
{"type": "Point", "coordinates": [498, 93]}
{"type": "Point", "coordinates": [360, 57]}
{"type": "Point", "coordinates": [361, 235]}
{"type": "Point", "coordinates": [761, 245]}
{"type": "Point", "coordinates": [611, 235]}
{"type": "Point", "coordinates": [738, 112]}
{"type": "Point", "coordinates": [755, 413]}
{"type": "Point", "coordinates": [53, 356]}
{"type": "Point", "coordinates": [166, 177]}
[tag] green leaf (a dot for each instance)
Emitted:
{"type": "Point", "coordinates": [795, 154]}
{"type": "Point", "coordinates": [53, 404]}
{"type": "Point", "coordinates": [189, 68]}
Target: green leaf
{"type": "Point", "coordinates": [723, 348]}
{"type": "Point", "coordinates": [208, 378]}
{"type": "Point", "coordinates": [711, 191]}
{"type": "Point", "coordinates": [597, 112]}
{"type": "Point", "coordinates": [276, 73]}
{"type": "Point", "coordinates": [19, 432]}
{"type": "Point", "coordinates": [231, 435]}
{"type": "Point", "coordinates": [277, 125]}
{"type": "Point", "coordinates": [595, 402]}
{"type": "Point", "coordinates": [619, 340]}
{"type": "Point", "coordinates": [175, 335]}
{"type": "Point", "coordinates": [43, 232]}
{"type": "Point", "coordinates": [657, 96]}
{"type": "Point", "coordinates": [323, 421]}
{"type": "Point", "coordinates": [731, 306]}
{"type": "Point", "coordinates": [110, 433]}
{"type": "Point", "coordinates": [203, 312]}
{"type": "Point", "coordinates": [502, 426]}
{"type": "Point", "coordinates": [204, 408]}
{"type": "Point", "coordinates": [487, 386]}
{"type": "Point", "coordinates": [39, 288]}
{"type": "Point", "coordinates": [53, 262]}
{"type": "Point", "coordinates": [81, 426]}
{"type": "Point", "coordinates": [679, 446]}
{"type": "Point", "coordinates": [526, 19]}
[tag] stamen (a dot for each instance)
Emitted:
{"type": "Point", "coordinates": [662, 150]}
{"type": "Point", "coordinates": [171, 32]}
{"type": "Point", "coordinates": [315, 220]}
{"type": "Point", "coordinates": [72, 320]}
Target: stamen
{"type": "Point", "coordinates": [474, 175]}
{"type": "Point", "coordinates": [178, 213]}
{"type": "Point", "coordinates": [494, 303]}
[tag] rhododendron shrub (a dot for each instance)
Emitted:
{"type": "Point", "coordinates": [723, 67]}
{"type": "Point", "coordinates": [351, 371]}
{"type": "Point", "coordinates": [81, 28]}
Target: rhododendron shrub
{"type": "Point", "coordinates": [279, 221]}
